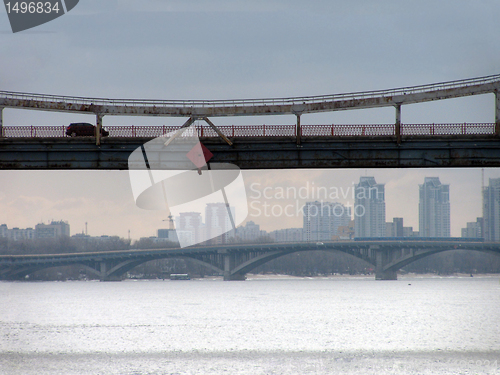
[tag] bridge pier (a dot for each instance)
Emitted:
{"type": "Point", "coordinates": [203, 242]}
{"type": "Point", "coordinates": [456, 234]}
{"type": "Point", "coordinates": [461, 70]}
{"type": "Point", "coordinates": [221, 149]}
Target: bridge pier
{"type": "Point", "coordinates": [382, 257]}
{"type": "Point", "coordinates": [111, 278]}
{"type": "Point", "coordinates": [386, 275]}
{"type": "Point", "coordinates": [235, 277]}
{"type": "Point", "coordinates": [229, 264]}
{"type": "Point", "coordinates": [104, 273]}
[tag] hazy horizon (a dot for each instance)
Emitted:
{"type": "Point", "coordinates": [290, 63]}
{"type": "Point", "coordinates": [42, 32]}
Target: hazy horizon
{"type": "Point", "coordinates": [225, 50]}
{"type": "Point", "coordinates": [109, 208]}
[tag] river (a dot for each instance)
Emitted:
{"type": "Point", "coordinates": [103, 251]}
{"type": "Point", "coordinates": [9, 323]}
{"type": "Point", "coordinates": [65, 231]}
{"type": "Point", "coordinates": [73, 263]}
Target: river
{"type": "Point", "coordinates": [276, 325]}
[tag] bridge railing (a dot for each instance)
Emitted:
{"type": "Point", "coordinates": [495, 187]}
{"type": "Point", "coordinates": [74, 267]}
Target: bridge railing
{"type": "Point", "coordinates": [76, 101]}
{"type": "Point", "coordinates": [33, 131]}
{"type": "Point", "coordinates": [347, 130]}
{"type": "Point", "coordinates": [448, 129]}
{"type": "Point", "coordinates": [235, 131]}
{"type": "Point", "coordinates": [250, 131]}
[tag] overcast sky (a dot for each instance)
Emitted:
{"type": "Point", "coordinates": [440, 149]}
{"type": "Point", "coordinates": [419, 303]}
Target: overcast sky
{"type": "Point", "coordinates": [213, 49]}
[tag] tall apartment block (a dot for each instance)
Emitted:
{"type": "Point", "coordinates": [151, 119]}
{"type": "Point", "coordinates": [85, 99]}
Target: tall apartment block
{"type": "Point", "coordinates": [189, 225]}
{"type": "Point", "coordinates": [434, 208]}
{"type": "Point", "coordinates": [53, 230]}
{"type": "Point", "coordinates": [322, 220]}
{"type": "Point", "coordinates": [218, 223]}
{"type": "Point", "coordinates": [491, 199]}
{"type": "Point", "coordinates": [369, 208]}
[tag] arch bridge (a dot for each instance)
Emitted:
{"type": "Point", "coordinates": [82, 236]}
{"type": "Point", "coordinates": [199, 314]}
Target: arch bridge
{"type": "Point", "coordinates": [279, 146]}
{"type": "Point", "coordinates": [234, 261]}
{"type": "Point", "coordinates": [203, 109]}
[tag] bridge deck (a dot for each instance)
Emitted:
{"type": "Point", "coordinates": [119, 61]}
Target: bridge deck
{"type": "Point", "coordinates": [263, 153]}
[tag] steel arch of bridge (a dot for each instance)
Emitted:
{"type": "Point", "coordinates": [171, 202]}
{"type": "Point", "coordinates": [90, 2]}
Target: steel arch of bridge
{"type": "Point", "coordinates": [234, 261]}
{"type": "Point", "coordinates": [253, 107]}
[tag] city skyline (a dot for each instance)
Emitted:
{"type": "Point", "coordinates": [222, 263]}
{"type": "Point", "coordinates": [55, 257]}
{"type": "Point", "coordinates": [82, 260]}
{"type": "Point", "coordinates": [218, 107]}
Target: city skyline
{"type": "Point", "coordinates": [410, 218]}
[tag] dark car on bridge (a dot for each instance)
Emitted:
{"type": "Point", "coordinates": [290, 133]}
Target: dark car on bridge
{"type": "Point", "coordinates": [84, 129]}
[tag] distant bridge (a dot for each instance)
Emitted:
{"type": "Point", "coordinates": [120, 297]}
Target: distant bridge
{"type": "Point", "coordinates": [265, 146]}
{"type": "Point", "coordinates": [234, 261]}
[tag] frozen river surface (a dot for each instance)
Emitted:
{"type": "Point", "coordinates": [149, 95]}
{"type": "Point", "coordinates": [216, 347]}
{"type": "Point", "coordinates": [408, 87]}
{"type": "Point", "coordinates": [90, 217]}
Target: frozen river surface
{"type": "Point", "coordinates": [419, 325]}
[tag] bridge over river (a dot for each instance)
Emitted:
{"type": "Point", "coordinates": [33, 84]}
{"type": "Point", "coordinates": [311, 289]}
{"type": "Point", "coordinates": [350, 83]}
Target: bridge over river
{"type": "Point", "coordinates": [296, 145]}
{"type": "Point", "coordinates": [234, 261]}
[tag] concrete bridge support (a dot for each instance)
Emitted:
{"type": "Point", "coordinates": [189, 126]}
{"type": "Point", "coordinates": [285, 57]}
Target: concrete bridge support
{"type": "Point", "coordinates": [105, 270]}
{"type": "Point", "coordinates": [104, 273]}
{"type": "Point", "coordinates": [383, 256]}
{"type": "Point", "coordinates": [230, 262]}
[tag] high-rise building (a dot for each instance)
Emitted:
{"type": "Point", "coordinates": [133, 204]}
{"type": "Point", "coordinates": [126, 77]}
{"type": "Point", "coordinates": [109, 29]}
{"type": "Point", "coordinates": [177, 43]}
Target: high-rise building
{"type": "Point", "coordinates": [394, 228]}
{"type": "Point", "coordinates": [4, 230]}
{"type": "Point", "coordinates": [491, 199]}
{"type": "Point", "coordinates": [219, 223]}
{"type": "Point", "coordinates": [346, 232]}
{"type": "Point", "coordinates": [167, 234]}
{"type": "Point", "coordinates": [287, 235]}
{"type": "Point", "coordinates": [473, 229]}
{"type": "Point", "coordinates": [16, 234]}
{"type": "Point", "coordinates": [434, 208]}
{"type": "Point", "coordinates": [53, 230]}
{"type": "Point", "coordinates": [322, 220]}
{"type": "Point", "coordinates": [369, 208]}
{"type": "Point", "coordinates": [409, 232]}
{"type": "Point", "coordinates": [190, 226]}
{"type": "Point", "coordinates": [249, 233]}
